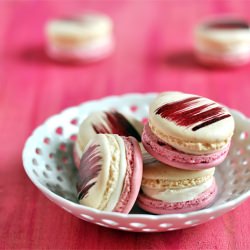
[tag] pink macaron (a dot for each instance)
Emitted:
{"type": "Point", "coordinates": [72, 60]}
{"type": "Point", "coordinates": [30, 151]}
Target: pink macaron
{"type": "Point", "coordinates": [105, 122]}
{"type": "Point", "coordinates": [167, 190]}
{"type": "Point", "coordinates": [188, 131]}
{"type": "Point", "coordinates": [110, 173]}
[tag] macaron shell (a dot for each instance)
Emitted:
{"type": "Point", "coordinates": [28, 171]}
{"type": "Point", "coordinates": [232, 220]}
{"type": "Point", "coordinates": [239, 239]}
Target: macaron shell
{"type": "Point", "coordinates": [161, 207]}
{"type": "Point", "coordinates": [173, 157]}
{"type": "Point", "coordinates": [79, 28]}
{"type": "Point", "coordinates": [85, 53]}
{"type": "Point", "coordinates": [94, 172]}
{"type": "Point", "coordinates": [133, 177]}
{"type": "Point", "coordinates": [212, 32]}
{"type": "Point", "coordinates": [226, 60]}
{"type": "Point", "coordinates": [210, 128]}
{"type": "Point", "coordinates": [108, 122]}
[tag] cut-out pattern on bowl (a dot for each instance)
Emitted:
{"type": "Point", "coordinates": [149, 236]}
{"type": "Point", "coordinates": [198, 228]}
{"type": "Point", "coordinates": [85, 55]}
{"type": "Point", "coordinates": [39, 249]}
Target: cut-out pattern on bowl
{"type": "Point", "coordinates": [47, 159]}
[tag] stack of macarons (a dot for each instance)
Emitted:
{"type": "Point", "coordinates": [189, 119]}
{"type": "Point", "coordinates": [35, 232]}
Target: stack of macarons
{"type": "Point", "coordinates": [185, 138]}
{"type": "Point", "coordinates": [189, 136]}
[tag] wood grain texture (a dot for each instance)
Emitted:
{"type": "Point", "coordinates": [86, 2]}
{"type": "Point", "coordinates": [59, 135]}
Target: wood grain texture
{"type": "Point", "coordinates": [153, 53]}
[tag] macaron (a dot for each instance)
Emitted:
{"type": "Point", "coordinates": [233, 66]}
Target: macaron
{"type": "Point", "coordinates": [81, 38]}
{"type": "Point", "coordinates": [223, 41]}
{"type": "Point", "coordinates": [110, 173]}
{"type": "Point", "coordinates": [188, 131]}
{"type": "Point", "coordinates": [167, 190]}
{"type": "Point", "coordinates": [105, 122]}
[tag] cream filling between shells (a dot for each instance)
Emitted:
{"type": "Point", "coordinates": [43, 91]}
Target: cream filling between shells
{"type": "Point", "coordinates": [197, 148]}
{"type": "Point", "coordinates": [117, 173]}
{"type": "Point", "coordinates": [178, 195]}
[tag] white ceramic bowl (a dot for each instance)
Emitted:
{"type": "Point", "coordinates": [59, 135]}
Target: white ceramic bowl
{"type": "Point", "coordinates": [47, 159]}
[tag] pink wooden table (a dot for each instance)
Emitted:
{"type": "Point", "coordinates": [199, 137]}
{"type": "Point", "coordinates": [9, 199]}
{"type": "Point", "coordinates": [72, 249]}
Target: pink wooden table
{"type": "Point", "coordinates": [154, 53]}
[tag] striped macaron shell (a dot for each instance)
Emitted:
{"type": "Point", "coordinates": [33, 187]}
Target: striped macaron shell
{"type": "Point", "coordinates": [102, 172]}
{"type": "Point", "coordinates": [108, 122]}
{"type": "Point", "coordinates": [190, 123]}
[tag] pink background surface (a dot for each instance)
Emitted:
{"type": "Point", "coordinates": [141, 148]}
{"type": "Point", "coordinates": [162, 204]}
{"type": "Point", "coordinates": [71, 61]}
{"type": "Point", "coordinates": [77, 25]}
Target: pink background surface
{"type": "Point", "coordinates": [154, 53]}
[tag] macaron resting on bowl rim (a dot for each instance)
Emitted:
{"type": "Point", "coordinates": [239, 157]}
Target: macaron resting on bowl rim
{"type": "Point", "coordinates": [47, 158]}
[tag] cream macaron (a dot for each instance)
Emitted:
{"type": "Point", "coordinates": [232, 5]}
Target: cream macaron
{"type": "Point", "coordinates": [105, 122]}
{"type": "Point", "coordinates": [166, 189]}
{"type": "Point", "coordinates": [223, 41]}
{"type": "Point", "coordinates": [188, 131]}
{"type": "Point", "coordinates": [110, 173]}
{"type": "Point", "coordinates": [87, 37]}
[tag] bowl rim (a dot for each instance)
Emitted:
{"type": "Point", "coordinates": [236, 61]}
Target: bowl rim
{"type": "Point", "coordinates": [209, 210]}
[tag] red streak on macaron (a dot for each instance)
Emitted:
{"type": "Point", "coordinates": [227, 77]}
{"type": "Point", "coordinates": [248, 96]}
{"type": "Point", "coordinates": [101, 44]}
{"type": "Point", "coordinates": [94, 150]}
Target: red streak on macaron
{"type": "Point", "coordinates": [229, 25]}
{"type": "Point", "coordinates": [73, 19]}
{"type": "Point", "coordinates": [90, 166]}
{"type": "Point", "coordinates": [116, 124]}
{"type": "Point", "coordinates": [183, 114]}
